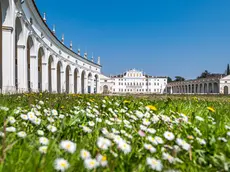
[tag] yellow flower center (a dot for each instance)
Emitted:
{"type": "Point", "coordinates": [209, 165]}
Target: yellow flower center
{"type": "Point", "coordinates": [104, 158]}
{"type": "Point", "coordinates": [92, 163]}
{"type": "Point", "coordinates": [63, 164]}
{"type": "Point", "coordinates": [68, 146]}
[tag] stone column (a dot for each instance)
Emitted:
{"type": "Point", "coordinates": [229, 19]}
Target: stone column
{"type": "Point", "coordinates": [98, 86]}
{"type": "Point", "coordinates": [22, 69]}
{"type": "Point", "coordinates": [54, 79]}
{"type": "Point", "coordinates": [78, 84]}
{"type": "Point", "coordinates": [7, 60]}
{"type": "Point", "coordinates": [92, 86]}
{"type": "Point", "coordinates": [45, 83]}
{"type": "Point", "coordinates": [34, 73]}
{"type": "Point", "coordinates": [85, 85]}
{"type": "Point", "coordinates": [63, 81]}
{"type": "Point", "coordinates": [71, 83]}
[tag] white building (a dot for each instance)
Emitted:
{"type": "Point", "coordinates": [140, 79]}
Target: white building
{"type": "Point", "coordinates": [33, 59]}
{"type": "Point", "coordinates": [217, 84]}
{"type": "Point", "coordinates": [134, 82]}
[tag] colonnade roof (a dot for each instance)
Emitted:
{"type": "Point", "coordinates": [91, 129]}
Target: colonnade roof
{"type": "Point", "coordinates": [197, 81]}
{"type": "Point", "coordinates": [57, 38]}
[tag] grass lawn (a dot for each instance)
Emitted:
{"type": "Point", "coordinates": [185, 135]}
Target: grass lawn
{"type": "Point", "coordinates": [47, 132]}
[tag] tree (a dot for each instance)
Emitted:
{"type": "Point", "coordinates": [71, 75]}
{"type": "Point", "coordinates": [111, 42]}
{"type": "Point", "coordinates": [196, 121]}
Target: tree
{"type": "Point", "coordinates": [204, 74]}
{"type": "Point", "coordinates": [179, 78]}
{"type": "Point", "coordinates": [169, 79]}
{"type": "Point", "coordinates": [228, 70]}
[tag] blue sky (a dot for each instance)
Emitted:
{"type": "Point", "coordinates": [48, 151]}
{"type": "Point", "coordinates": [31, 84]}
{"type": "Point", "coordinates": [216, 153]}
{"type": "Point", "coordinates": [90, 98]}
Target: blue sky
{"type": "Point", "coordinates": [160, 37]}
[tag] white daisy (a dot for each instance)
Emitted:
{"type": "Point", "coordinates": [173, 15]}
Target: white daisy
{"type": "Point", "coordinates": [154, 164]}
{"type": "Point", "coordinates": [91, 123]}
{"type": "Point", "coordinates": [85, 154]}
{"type": "Point", "coordinates": [21, 134]}
{"type": "Point", "coordinates": [10, 129]}
{"type": "Point", "coordinates": [151, 130]}
{"type": "Point", "coordinates": [103, 143]}
{"type": "Point", "coordinates": [68, 146]}
{"type": "Point", "coordinates": [40, 132]}
{"type": "Point", "coordinates": [183, 144]}
{"type": "Point", "coordinates": [43, 149]}
{"type": "Point", "coordinates": [54, 112]}
{"type": "Point", "coordinates": [169, 136]}
{"type": "Point", "coordinates": [61, 164]}
{"type": "Point", "coordinates": [146, 122]}
{"type": "Point", "coordinates": [52, 128]}
{"type": "Point", "coordinates": [2, 134]}
{"type": "Point", "coordinates": [91, 164]}
{"type": "Point", "coordinates": [143, 128]}
{"type": "Point", "coordinates": [126, 148]}
{"type": "Point", "coordinates": [43, 140]}
{"type": "Point", "coordinates": [86, 129]}
{"type": "Point", "coordinates": [155, 119]}
{"type": "Point", "coordinates": [168, 157]}
{"type": "Point", "coordinates": [159, 140]}
{"type": "Point", "coordinates": [31, 116]}
{"type": "Point", "coordinates": [199, 118]}
{"type": "Point", "coordinates": [228, 133]}
{"type": "Point", "coordinates": [222, 139]}
{"type": "Point", "coordinates": [24, 117]}
{"type": "Point", "coordinates": [102, 160]}
{"type": "Point", "coordinates": [150, 148]}
{"type": "Point", "coordinates": [11, 119]}
{"type": "Point", "coordinates": [201, 141]}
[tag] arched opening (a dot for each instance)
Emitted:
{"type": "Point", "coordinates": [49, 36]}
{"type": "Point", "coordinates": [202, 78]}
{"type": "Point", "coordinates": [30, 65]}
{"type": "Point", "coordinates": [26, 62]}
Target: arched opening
{"type": "Point", "coordinates": [210, 89]}
{"type": "Point", "coordinates": [216, 88]}
{"type": "Point", "coordinates": [1, 20]}
{"type": "Point", "coordinates": [59, 67]}
{"type": "Point", "coordinates": [30, 46]}
{"type": "Point", "coordinates": [18, 40]}
{"type": "Point", "coordinates": [90, 83]}
{"type": "Point", "coordinates": [226, 90]}
{"type": "Point", "coordinates": [75, 80]}
{"type": "Point", "coordinates": [189, 89]}
{"type": "Point", "coordinates": [205, 88]}
{"type": "Point", "coordinates": [196, 88]}
{"type": "Point", "coordinates": [105, 89]}
{"type": "Point", "coordinates": [201, 90]}
{"type": "Point", "coordinates": [40, 57]}
{"type": "Point", "coordinates": [193, 88]}
{"type": "Point", "coordinates": [67, 78]}
{"type": "Point", "coordinates": [50, 65]}
{"type": "Point", "coordinates": [83, 82]}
